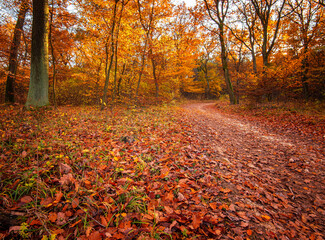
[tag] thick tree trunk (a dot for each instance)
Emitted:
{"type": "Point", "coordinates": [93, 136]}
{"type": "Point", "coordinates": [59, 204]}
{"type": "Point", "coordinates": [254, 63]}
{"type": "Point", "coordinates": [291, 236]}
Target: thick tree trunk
{"type": "Point", "coordinates": [13, 62]}
{"type": "Point", "coordinates": [39, 79]}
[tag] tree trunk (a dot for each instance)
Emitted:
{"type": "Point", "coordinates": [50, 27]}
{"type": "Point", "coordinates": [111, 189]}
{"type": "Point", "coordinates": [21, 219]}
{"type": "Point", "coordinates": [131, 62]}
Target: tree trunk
{"type": "Point", "coordinates": [254, 61]}
{"type": "Point", "coordinates": [305, 66]}
{"type": "Point", "coordinates": [155, 76]}
{"type": "Point", "coordinates": [13, 63]}
{"type": "Point", "coordinates": [39, 79]}
{"type": "Point", "coordinates": [142, 65]}
{"type": "Point", "coordinates": [108, 69]}
{"type": "Point", "coordinates": [53, 56]}
{"type": "Point", "coordinates": [225, 67]}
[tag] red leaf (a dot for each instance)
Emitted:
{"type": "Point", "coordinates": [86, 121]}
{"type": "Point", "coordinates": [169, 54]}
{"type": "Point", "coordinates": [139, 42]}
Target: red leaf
{"type": "Point", "coordinates": [196, 221]}
{"type": "Point", "coordinates": [52, 216]}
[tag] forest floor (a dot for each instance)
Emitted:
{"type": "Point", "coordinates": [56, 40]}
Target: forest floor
{"type": "Point", "coordinates": [195, 171]}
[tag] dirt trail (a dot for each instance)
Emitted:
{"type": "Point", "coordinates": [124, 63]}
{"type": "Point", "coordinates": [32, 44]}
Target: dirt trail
{"type": "Point", "coordinates": [281, 175]}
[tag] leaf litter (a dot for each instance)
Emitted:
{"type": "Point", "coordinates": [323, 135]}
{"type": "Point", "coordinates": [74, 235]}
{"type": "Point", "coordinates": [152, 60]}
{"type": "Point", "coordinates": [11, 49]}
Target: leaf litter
{"type": "Point", "coordinates": [154, 173]}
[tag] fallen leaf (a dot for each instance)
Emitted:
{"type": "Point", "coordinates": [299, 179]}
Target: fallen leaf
{"type": "Point", "coordinates": [61, 219]}
{"type": "Point", "coordinates": [196, 221]}
{"type": "Point", "coordinates": [24, 154]}
{"type": "Point", "coordinates": [95, 236]}
{"type": "Point", "coordinates": [26, 199]}
{"type": "Point", "coordinates": [168, 210]}
{"type": "Point", "coordinates": [65, 168]}
{"type": "Point", "coordinates": [52, 216]}
{"type": "Point", "coordinates": [14, 228]}
{"type": "Point", "coordinates": [266, 217]}
{"type": "Point", "coordinates": [75, 203]}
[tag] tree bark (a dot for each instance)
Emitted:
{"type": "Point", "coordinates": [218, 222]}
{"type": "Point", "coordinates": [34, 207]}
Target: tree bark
{"type": "Point", "coordinates": [108, 68]}
{"type": "Point", "coordinates": [155, 75]}
{"type": "Point", "coordinates": [225, 68]}
{"type": "Point", "coordinates": [53, 56]}
{"type": "Point", "coordinates": [13, 62]}
{"type": "Point", "coordinates": [221, 9]}
{"type": "Point", "coordinates": [39, 79]}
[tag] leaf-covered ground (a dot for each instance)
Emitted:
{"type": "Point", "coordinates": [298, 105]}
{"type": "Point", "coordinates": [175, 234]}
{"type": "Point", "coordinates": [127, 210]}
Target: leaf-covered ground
{"type": "Point", "coordinates": [156, 173]}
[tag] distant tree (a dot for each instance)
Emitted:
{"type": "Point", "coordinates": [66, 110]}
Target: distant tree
{"type": "Point", "coordinates": [306, 17]}
{"type": "Point", "coordinates": [218, 12]}
{"type": "Point", "coordinates": [270, 14]}
{"type": "Point", "coordinates": [39, 79]}
{"type": "Point", "coordinates": [13, 62]}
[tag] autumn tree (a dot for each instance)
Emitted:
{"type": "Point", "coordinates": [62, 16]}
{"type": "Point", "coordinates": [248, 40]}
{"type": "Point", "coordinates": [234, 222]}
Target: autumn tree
{"type": "Point", "coordinates": [217, 11]}
{"type": "Point", "coordinates": [13, 61]}
{"type": "Point", "coordinates": [39, 80]}
{"type": "Point", "coordinates": [306, 18]}
{"type": "Point", "coordinates": [270, 14]}
{"type": "Point", "coordinates": [208, 48]}
{"type": "Point", "coordinates": [185, 31]}
{"type": "Point", "coordinates": [245, 28]}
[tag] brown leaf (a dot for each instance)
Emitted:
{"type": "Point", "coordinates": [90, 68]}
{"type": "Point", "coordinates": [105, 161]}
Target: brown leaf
{"type": "Point", "coordinates": [47, 202]}
{"type": "Point", "coordinates": [243, 215]}
{"type": "Point", "coordinates": [24, 154]}
{"type": "Point", "coordinates": [61, 219]}
{"type": "Point", "coordinates": [26, 199]}
{"type": "Point", "coordinates": [58, 196]}
{"type": "Point", "coordinates": [169, 210]}
{"type": "Point", "coordinates": [181, 197]}
{"type": "Point", "coordinates": [14, 228]}
{"type": "Point", "coordinates": [75, 203]}
{"type": "Point", "coordinates": [65, 168]}
{"type": "Point", "coordinates": [103, 221]}
{"type": "Point", "coordinates": [170, 197]}
{"type": "Point", "coordinates": [66, 179]}
{"type": "Point", "coordinates": [232, 207]}
{"type": "Point", "coordinates": [95, 236]}
{"type": "Point", "coordinates": [196, 221]}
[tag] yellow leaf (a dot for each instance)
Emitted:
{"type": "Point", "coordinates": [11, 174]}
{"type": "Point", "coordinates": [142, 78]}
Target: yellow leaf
{"type": "Point", "coordinates": [266, 217]}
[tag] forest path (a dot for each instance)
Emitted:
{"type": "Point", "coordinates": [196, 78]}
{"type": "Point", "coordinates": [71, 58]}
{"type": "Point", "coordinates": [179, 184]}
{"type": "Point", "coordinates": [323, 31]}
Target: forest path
{"type": "Point", "coordinates": [282, 175]}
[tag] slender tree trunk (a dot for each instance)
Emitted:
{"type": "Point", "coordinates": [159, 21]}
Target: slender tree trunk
{"type": "Point", "coordinates": [120, 80]}
{"type": "Point", "coordinates": [39, 79]}
{"type": "Point", "coordinates": [264, 47]}
{"type": "Point", "coordinates": [108, 69]}
{"type": "Point", "coordinates": [305, 66]}
{"type": "Point", "coordinates": [116, 49]}
{"type": "Point", "coordinates": [13, 62]}
{"type": "Point", "coordinates": [142, 65]}
{"type": "Point", "coordinates": [225, 67]}
{"type": "Point", "coordinates": [155, 77]}
{"type": "Point", "coordinates": [53, 56]}
{"type": "Point", "coordinates": [254, 61]}
{"type": "Point", "coordinates": [207, 88]}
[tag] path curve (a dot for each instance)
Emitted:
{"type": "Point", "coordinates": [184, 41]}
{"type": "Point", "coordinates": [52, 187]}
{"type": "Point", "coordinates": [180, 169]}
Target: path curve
{"type": "Point", "coordinates": [284, 175]}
